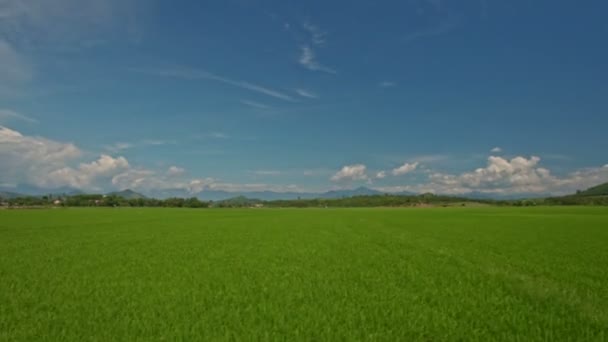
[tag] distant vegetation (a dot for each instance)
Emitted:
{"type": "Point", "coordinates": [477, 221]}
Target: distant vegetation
{"type": "Point", "coordinates": [597, 195]}
{"type": "Point", "coordinates": [111, 200]}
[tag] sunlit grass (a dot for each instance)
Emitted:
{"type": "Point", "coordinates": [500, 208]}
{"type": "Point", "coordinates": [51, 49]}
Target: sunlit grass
{"type": "Point", "coordinates": [313, 274]}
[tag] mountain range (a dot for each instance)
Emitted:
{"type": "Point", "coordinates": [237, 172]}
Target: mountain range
{"type": "Point", "coordinates": [220, 195]}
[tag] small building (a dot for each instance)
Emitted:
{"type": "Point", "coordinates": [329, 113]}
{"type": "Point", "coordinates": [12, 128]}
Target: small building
{"type": "Point", "coordinates": [57, 202]}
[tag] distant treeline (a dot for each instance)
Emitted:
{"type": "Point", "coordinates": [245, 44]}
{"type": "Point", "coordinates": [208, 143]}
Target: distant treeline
{"type": "Point", "coordinates": [105, 201]}
{"type": "Point", "coordinates": [243, 202]}
{"type": "Point", "coordinates": [375, 201]}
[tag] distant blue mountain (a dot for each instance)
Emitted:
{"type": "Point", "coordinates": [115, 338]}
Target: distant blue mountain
{"type": "Point", "coordinates": [32, 190]}
{"type": "Point", "coordinates": [361, 191]}
{"type": "Point", "coordinates": [219, 195]}
{"type": "Point", "coordinates": [127, 194]}
{"type": "Point", "coordinates": [9, 195]}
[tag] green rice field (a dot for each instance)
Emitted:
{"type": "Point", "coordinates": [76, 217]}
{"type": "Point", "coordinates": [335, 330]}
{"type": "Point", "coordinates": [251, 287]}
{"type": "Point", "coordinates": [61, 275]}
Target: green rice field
{"type": "Point", "coordinates": [430, 274]}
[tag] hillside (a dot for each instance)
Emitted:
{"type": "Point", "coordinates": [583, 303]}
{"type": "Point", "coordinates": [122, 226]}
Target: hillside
{"type": "Point", "coordinates": [127, 194]}
{"type": "Point", "coordinates": [598, 190]}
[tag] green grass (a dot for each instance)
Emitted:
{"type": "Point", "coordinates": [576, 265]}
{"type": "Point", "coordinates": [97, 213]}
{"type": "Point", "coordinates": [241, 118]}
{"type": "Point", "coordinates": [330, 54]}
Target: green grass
{"type": "Point", "coordinates": [311, 274]}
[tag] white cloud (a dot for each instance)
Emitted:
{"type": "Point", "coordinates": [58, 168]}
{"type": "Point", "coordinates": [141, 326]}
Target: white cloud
{"type": "Point", "coordinates": [194, 74]}
{"type": "Point", "coordinates": [136, 179]}
{"type": "Point", "coordinates": [7, 114]}
{"type": "Point", "coordinates": [518, 175]}
{"type": "Point", "coordinates": [496, 150]}
{"type": "Point", "coordinates": [27, 159]}
{"type": "Point", "coordinates": [85, 176]}
{"type": "Point", "coordinates": [381, 175]}
{"type": "Point", "coordinates": [175, 171]}
{"type": "Point", "coordinates": [308, 59]}
{"type": "Point", "coordinates": [351, 172]}
{"type": "Point", "coordinates": [47, 163]}
{"type": "Point", "coordinates": [306, 93]}
{"type": "Point", "coordinates": [405, 169]}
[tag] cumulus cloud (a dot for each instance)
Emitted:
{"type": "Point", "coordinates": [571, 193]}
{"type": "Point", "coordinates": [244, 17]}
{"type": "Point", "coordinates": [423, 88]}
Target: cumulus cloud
{"type": "Point", "coordinates": [48, 164]}
{"type": "Point", "coordinates": [405, 169]}
{"type": "Point", "coordinates": [135, 179]}
{"type": "Point", "coordinates": [86, 174]}
{"type": "Point", "coordinates": [519, 175]}
{"type": "Point", "coordinates": [381, 175]}
{"type": "Point", "coordinates": [28, 159]}
{"type": "Point", "coordinates": [351, 172]}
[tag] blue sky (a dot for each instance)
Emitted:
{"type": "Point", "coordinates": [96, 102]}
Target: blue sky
{"type": "Point", "coordinates": [420, 95]}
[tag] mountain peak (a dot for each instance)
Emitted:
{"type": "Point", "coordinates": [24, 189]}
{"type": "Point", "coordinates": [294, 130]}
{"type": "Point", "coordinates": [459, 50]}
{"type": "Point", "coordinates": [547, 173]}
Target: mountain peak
{"type": "Point", "coordinates": [127, 194]}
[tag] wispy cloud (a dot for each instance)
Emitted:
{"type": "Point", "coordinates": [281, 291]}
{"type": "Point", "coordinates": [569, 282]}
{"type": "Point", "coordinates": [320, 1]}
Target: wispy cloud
{"type": "Point", "coordinates": [254, 104]}
{"type": "Point", "coordinates": [266, 172]}
{"type": "Point", "coordinates": [308, 56]}
{"type": "Point", "coordinates": [54, 25]}
{"type": "Point", "coordinates": [197, 74]}
{"type": "Point", "coordinates": [306, 93]}
{"type": "Point", "coordinates": [318, 36]}
{"type": "Point", "coordinates": [308, 59]}
{"type": "Point", "coordinates": [430, 158]}
{"type": "Point", "coordinates": [123, 146]}
{"type": "Point", "coordinates": [496, 150]}
{"type": "Point", "coordinates": [119, 146]}
{"type": "Point", "coordinates": [212, 135]}
{"type": "Point", "coordinates": [387, 84]}
{"type": "Point", "coordinates": [14, 69]}
{"type": "Point", "coordinates": [156, 142]}
{"type": "Point", "coordinates": [7, 114]}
